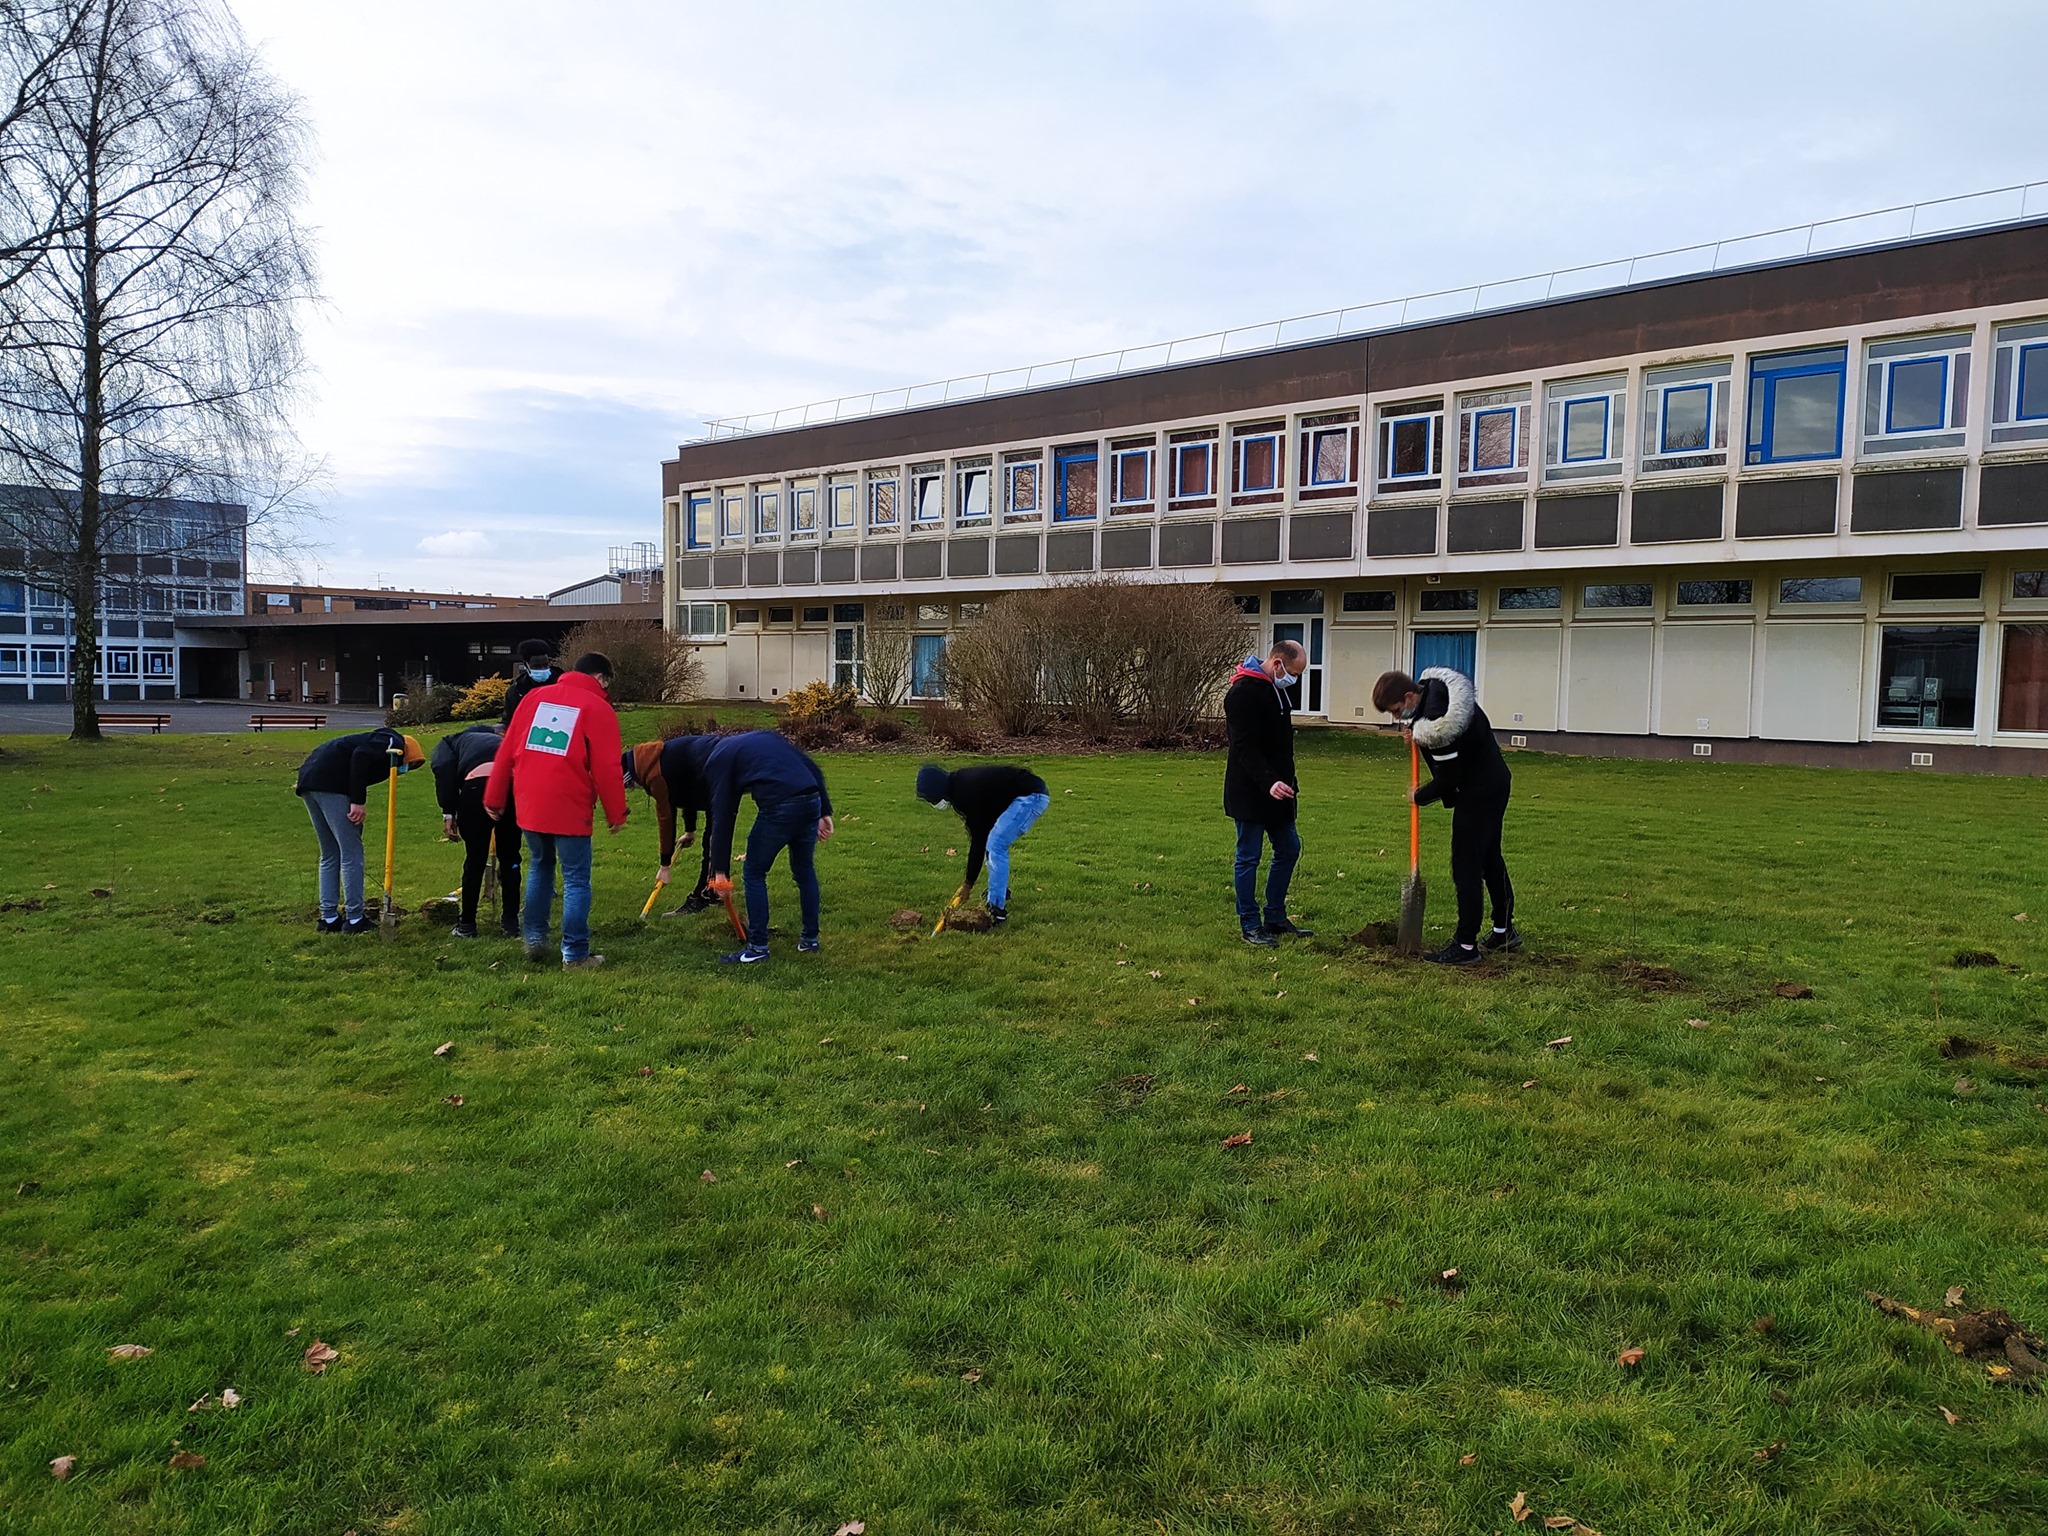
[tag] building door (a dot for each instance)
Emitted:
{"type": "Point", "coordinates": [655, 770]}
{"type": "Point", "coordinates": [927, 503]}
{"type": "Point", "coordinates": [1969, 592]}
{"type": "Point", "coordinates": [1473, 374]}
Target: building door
{"type": "Point", "coordinates": [1457, 649]}
{"type": "Point", "coordinates": [1308, 634]}
{"type": "Point", "coordinates": [927, 656]}
{"type": "Point", "coordinates": [849, 646]}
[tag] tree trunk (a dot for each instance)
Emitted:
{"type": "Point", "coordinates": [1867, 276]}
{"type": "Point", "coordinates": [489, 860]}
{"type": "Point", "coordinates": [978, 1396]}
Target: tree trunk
{"type": "Point", "coordinates": [85, 647]}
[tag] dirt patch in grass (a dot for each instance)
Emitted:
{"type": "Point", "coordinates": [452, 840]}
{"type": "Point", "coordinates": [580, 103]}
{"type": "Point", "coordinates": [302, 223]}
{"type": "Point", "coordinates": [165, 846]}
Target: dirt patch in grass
{"type": "Point", "coordinates": [1379, 935]}
{"type": "Point", "coordinates": [1967, 958]}
{"type": "Point", "coordinates": [1650, 978]}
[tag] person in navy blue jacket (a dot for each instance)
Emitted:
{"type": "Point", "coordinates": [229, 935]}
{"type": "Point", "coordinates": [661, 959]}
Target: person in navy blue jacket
{"type": "Point", "coordinates": [793, 810]}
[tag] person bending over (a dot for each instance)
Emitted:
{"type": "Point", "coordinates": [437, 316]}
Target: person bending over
{"type": "Point", "coordinates": [1468, 774]}
{"type": "Point", "coordinates": [560, 758]}
{"type": "Point", "coordinates": [462, 764]}
{"type": "Point", "coordinates": [793, 810]}
{"type": "Point", "coordinates": [335, 781]}
{"type": "Point", "coordinates": [1259, 788]}
{"type": "Point", "coordinates": [662, 769]}
{"type": "Point", "coordinates": [999, 802]}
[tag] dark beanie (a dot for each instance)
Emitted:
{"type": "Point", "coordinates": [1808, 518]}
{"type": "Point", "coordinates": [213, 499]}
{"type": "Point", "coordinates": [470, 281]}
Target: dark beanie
{"type": "Point", "coordinates": [932, 781]}
{"type": "Point", "coordinates": [626, 766]}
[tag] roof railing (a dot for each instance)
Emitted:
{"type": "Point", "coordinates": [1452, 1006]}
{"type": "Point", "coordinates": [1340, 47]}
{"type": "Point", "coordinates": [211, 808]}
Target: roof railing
{"type": "Point", "coordinates": [1881, 226]}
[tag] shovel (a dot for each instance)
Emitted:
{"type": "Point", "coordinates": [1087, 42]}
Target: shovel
{"type": "Point", "coordinates": [722, 886]}
{"type": "Point", "coordinates": [387, 919]}
{"type": "Point", "coordinates": [958, 897]}
{"type": "Point", "coordinates": [652, 897]}
{"type": "Point", "coordinates": [1414, 895]}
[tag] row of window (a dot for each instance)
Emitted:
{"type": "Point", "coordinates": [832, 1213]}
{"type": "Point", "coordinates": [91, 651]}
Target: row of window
{"type": "Point", "coordinates": [1916, 398]}
{"type": "Point", "coordinates": [55, 662]}
{"type": "Point", "coordinates": [16, 597]}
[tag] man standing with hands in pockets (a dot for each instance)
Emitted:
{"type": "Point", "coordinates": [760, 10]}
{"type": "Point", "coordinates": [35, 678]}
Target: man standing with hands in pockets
{"type": "Point", "coordinates": [1259, 788]}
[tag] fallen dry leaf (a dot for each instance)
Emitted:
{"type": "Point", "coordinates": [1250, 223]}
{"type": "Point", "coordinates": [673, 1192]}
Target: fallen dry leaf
{"type": "Point", "coordinates": [707, 1177]}
{"type": "Point", "coordinates": [319, 1356]}
{"type": "Point", "coordinates": [130, 1351]}
{"type": "Point", "coordinates": [205, 1402]}
{"type": "Point", "coordinates": [1531, 1083]}
{"type": "Point", "coordinates": [971, 1376]}
{"type": "Point", "coordinates": [1558, 1522]}
{"type": "Point", "coordinates": [1765, 1324]}
{"type": "Point", "coordinates": [794, 1162]}
{"type": "Point", "coordinates": [60, 1466]}
{"type": "Point", "coordinates": [1791, 989]}
{"type": "Point", "coordinates": [1631, 1358]}
{"type": "Point", "coordinates": [818, 1213]}
{"type": "Point", "coordinates": [1240, 1088]}
{"type": "Point", "coordinates": [1952, 1297]}
{"type": "Point", "coordinates": [1952, 1419]}
{"type": "Point", "coordinates": [860, 1527]}
{"type": "Point", "coordinates": [1468, 1458]}
{"type": "Point", "coordinates": [1770, 1452]}
{"type": "Point", "coordinates": [1781, 1397]}
{"type": "Point", "coordinates": [647, 1071]}
{"type": "Point", "coordinates": [1964, 1086]}
{"type": "Point", "coordinates": [1518, 1506]}
{"type": "Point", "coordinates": [1310, 1056]}
{"type": "Point", "coordinates": [230, 1398]}
{"type": "Point", "coordinates": [1561, 1040]}
{"type": "Point", "coordinates": [1155, 975]}
{"type": "Point", "coordinates": [1697, 1024]}
{"type": "Point", "coordinates": [185, 1461]}
{"type": "Point", "coordinates": [444, 1047]}
{"type": "Point", "coordinates": [291, 1333]}
{"type": "Point", "coordinates": [1241, 1139]}
{"type": "Point", "coordinates": [952, 853]}
{"type": "Point", "coordinates": [455, 1099]}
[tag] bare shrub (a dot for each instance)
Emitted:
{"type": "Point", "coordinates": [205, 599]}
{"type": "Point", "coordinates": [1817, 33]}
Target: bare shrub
{"type": "Point", "coordinates": [995, 668]}
{"type": "Point", "coordinates": [649, 664]}
{"type": "Point", "coordinates": [886, 671]}
{"type": "Point", "coordinates": [1189, 637]}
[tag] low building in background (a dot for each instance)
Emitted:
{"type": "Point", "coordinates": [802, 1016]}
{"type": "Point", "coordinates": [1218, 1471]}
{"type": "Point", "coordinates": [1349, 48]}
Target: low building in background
{"type": "Point", "coordinates": [1795, 509]}
{"type": "Point", "coordinates": [634, 576]}
{"type": "Point", "coordinates": [157, 612]}
{"type": "Point", "coordinates": [360, 645]}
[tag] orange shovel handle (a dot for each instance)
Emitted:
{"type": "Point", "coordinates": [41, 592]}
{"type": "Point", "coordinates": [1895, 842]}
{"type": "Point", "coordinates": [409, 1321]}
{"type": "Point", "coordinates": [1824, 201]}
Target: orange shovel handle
{"type": "Point", "coordinates": [1414, 810]}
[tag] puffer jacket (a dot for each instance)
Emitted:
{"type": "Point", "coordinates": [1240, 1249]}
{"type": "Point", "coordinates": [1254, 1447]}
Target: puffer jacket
{"type": "Point", "coordinates": [1457, 741]}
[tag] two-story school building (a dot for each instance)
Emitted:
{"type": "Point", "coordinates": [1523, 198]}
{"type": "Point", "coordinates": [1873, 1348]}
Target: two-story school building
{"type": "Point", "coordinates": [1793, 511]}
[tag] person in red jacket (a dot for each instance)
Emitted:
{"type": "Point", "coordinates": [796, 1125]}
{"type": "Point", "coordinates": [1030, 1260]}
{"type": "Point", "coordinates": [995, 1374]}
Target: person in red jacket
{"type": "Point", "coordinates": [560, 757]}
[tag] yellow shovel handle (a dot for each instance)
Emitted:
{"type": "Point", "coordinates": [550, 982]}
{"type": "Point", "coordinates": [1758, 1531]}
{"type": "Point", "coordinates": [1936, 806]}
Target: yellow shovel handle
{"type": "Point", "coordinates": [390, 833]}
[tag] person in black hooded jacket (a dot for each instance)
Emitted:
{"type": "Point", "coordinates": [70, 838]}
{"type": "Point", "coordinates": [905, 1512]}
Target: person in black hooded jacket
{"type": "Point", "coordinates": [462, 765]}
{"type": "Point", "coordinates": [999, 802]}
{"type": "Point", "coordinates": [536, 669]}
{"type": "Point", "coordinates": [1469, 775]}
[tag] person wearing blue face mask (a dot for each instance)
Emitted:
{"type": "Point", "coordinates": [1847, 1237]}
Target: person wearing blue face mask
{"type": "Point", "coordinates": [536, 669]}
{"type": "Point", "coordinates": [1259, 788]}
{"type": "Point", "coordinates": [334, 781]}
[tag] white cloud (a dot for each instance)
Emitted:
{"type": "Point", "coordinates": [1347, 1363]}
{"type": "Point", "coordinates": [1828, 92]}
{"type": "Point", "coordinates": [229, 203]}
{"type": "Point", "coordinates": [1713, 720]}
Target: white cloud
{"type": "Point", "coordinates": [678, 208]}
{"type": "Point", "coordinates": [456, 544]}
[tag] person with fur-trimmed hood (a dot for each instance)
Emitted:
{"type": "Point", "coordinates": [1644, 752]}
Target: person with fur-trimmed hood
{"type": "Point", "coordinates": [1468, 774]}
{"type": "Point", "coordinates": [664, 769]}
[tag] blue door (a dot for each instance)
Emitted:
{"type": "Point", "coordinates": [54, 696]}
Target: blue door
{"type": "Point", "coordinates": [927, 654]}
{"type": "Point", "coordinates": [1457, 649]}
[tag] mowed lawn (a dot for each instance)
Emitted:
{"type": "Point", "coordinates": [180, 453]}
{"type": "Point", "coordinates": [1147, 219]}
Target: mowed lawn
{"type": "Point", "coordinates": [942, 1236]}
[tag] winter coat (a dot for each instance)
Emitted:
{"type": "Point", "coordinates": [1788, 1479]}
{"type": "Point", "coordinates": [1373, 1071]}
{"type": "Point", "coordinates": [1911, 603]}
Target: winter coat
{"type": "Point", "coordinates": [456, 759]}
{"type": "Point", "coordinates": [523, 683]}
{"type": "Point", "coordinates": [561, 755]}
{"type": "Point", "coordinates": [764, 764]}
{"type": "Point", "coordinates": [981, 795]}
{"type": "Point", "coordinates": [349, 765]}
{"type": "Point", "coordinates": [1260, 726]}
{"type": "Point", "coordinates": [1457, 742]}
{"type": "Point", "coordinates": [662, 769]}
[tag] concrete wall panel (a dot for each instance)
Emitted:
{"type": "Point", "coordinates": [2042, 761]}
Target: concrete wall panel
{"type": "Point", "coordinates": [1703, 679]}
{"type": "Point", "coordinates": [1607, 688]}
{"type": "Point", "coordinates": [1519, 667]}
{"type": "Point", "coordinates": [1356, 659]}
{"type": "Point", "coordinates": [1812, 687]}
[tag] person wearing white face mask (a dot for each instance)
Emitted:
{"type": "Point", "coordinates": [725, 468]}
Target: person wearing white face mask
{"type": "Point", "coordinates": [1259, 788]}
{"type": "Point", "coordinates": [536, 669]}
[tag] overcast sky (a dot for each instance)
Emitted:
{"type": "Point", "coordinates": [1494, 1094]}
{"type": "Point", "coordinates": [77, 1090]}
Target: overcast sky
{"type": "Point", "coordinates": [555, 238]}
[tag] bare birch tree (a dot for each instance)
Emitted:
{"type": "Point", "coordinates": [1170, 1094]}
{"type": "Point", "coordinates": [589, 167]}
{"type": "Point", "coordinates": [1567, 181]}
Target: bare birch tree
{"type": "Point", "coordinates": [149, 348]}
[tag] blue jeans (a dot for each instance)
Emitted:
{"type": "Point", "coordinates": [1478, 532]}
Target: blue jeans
{"type": "Point", "coordinates": [1286, 849]}
{"type": "Point", "coordinates": [791, 824]}
{"type": "Point", "coordinates": [543, 849]}
{"type": "Point", "coordinates": [341, 855]}
{"type": "Point", "coordinates": [1010, 826]}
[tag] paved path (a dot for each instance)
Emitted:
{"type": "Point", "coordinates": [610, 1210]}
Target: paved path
{"type": "Point", "coordinates": [188, 717]}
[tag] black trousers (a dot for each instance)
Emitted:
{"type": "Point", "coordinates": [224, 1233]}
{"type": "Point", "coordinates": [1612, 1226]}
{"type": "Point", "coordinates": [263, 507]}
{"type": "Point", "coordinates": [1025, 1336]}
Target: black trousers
{"type": "Point", "coordinates": [479, 832]}
{"type": "Point", "coordinates": [1477, 867]}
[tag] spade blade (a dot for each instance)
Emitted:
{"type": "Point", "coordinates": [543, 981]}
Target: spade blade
{"type": "Point", "coordinates": [1414, 896]}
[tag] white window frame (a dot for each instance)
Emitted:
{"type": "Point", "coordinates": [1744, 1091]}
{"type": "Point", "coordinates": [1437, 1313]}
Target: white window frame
{"type": "Point", "coordinates": [803, 511]}
{"type": "Point", "coordinates": [1146, 453]}
{"type": "Point", "coordinates": [928, 496]}
{"type": "Point", "coordinates": [1240, 440]}
{"type": "Point", "coordinates": [716, 619]}
{"type": "Point", "coordinates": [843, 505]}
{"type": "Point", "coordinates": [893, 520]}
{"type": "Point", "coordinates": [1391, 420]}
{"type": "Point", "coordinates": [1018, 509]}
{"type": "Point", "coordinates": [1882, 359]}
{"type": "Point", "coordinates": [1179, 453]}
{"type": "Point", "coordinates": [1716, 379]}
{"type": "Point", "coordinates": [13, 661]}
{"type": "Point", "coordinates": [1610, 392]}
{"type": "Point", "coordinates": [1312, 438]}
{"type": "Point", "coordinates": [158, 664]}
{"type": "Point", "coordinates": [767, 514]}
{"type": "Point", "coordinates": [41, 655]}
{"type": "Point", "coordinates": [964, 476]}
{"type": "Point", "coordinates": [732, 517]}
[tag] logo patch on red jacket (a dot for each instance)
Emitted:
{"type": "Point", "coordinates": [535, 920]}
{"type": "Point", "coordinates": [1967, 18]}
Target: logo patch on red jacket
{"type": "Point", "coordinates": [551, 728]}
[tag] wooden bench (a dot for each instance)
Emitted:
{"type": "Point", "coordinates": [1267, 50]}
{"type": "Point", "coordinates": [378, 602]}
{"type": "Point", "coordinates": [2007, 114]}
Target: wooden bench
{"type": "Point", "coordinates": [284, 722]}
{"type": "Point", "coordinates": [154, 724]}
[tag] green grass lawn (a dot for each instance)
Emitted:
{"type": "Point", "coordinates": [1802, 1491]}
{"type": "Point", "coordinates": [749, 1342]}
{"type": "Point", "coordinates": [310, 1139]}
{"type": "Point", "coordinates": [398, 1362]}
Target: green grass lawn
{"type": "Point", "coordinates": [971, 1256]}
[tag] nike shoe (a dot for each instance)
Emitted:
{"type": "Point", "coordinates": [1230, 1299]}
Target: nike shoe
{"type": "Point", "coordinates": [462, 931]}
{"type": "Point", "coordinates": [753, 954]}
{"type": "Point", "coordinates": [1457, 954]}
{"type": "Point", "coordinates": [1289, 929]}
{"type": "Point", "coordinates": [807, 946]}
{"type": "Point", "coordinates": [998, 914]}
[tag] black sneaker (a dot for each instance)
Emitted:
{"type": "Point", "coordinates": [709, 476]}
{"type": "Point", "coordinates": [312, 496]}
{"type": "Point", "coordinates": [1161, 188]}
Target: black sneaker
{"type": "Point", "coordinates": [1261, 938]}
{"type": "Point", "coordinates": [998, 914]}
{"type": "Point", "coordinates": [538, 953]}
{"type": "Point", "coordinates": [360, 925]}
{"type": "Point", "coordinates": [1455, 953]}
{"type": "Point", "coordinates": [328, 925]}
{"type": "Point", "coordinates": [511, 930]}
{"type": "Point", "coordinates": [462, 931]}
{"type": "Point", "coordinates": [1288, 928]}
{"type": "Point", "coordinates": [1501, 943]}
{"type": "Point", "coordinates": [807, 946]}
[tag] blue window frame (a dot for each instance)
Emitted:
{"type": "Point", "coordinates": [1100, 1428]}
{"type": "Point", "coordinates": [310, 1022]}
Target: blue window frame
{"type": "Point", "coordinates": [1585, 431]}
{"type": "Point", "coordinates": [1074, 484]}
{"type": "Point", "coordinates": [12, 598]}
{"type": "Point", "coordinates": [1795, 406]}
{"type": "Point", "coordinates": [1916, 395]}
{"type": "Point", "coordinates": [2030, 397]}
{"type": "Point", "coordinates": [1494, 435]}
{"type": "Point", "coordinates": [697, 530]}
{"type": "Point", "coordinates": [1687, 423]}
{"type": "Point", "coordinates": [767, 514]}
{"type": "Point", "coordinates": [733, 517]}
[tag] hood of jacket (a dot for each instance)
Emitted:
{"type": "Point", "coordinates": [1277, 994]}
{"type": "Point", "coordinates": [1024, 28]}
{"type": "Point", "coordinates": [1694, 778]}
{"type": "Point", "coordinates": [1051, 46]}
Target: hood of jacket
{"type": "Point", "coordinates": [1450, 725]}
